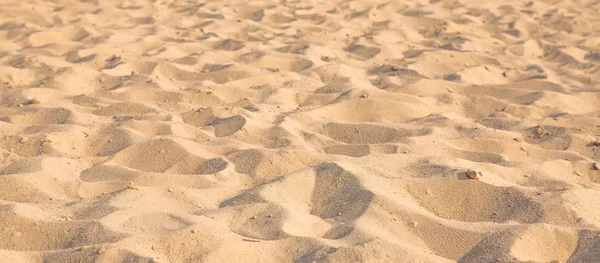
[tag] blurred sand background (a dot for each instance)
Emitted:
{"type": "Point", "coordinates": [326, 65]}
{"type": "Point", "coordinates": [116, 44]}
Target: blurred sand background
{"type": "Point", "coordinates": [299, 131]}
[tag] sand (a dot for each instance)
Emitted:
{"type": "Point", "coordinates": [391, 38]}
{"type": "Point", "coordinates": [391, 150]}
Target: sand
{"type": "Point", "coordinates": [299, 131]}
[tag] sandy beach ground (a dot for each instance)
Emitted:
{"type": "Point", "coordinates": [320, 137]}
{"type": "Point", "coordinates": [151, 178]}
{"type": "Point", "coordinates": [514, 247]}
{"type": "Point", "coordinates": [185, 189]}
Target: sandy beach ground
{"type": "Point", "coordinates": [299, 131]}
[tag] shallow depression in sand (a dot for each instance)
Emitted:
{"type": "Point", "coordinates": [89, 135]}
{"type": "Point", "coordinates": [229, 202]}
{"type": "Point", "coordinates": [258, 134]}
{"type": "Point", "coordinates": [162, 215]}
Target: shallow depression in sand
{"type": "Point", "coordinates": [474, 201]}
{"type": "Point", "coordinates": [166, 156]}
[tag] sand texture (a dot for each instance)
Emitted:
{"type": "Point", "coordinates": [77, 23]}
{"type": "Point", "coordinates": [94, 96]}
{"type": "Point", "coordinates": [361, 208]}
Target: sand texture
{"type": "Point", "coordinates": [300, 131]}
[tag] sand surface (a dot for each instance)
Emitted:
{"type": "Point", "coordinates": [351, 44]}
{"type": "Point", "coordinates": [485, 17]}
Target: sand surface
{"type": "Point", "coordinates": [299, 131]}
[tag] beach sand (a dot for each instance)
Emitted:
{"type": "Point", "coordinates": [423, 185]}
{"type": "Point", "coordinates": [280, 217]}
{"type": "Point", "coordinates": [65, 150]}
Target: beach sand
{"type": "Point", "coordinates": [299, 131]}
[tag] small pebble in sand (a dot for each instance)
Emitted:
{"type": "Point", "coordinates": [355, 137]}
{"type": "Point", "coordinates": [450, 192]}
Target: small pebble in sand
{"type": "Point", "coordinates": [131, 186]}
{"type": "Point", "coordinates": [596, 166]}
{"type": "Point", "coordinates": [364, 96]}
{"type": "Point", "coordinates": [101, 251]}
{"type": "Point", "coordinates": [596, 142]}
{"type": "Point", "coordinates": [134, 73]}
{"type": "Point", "coordinates": [194, 231]}
{"type": "Point", "coordinates": [516, 139]}
{"type": "Point", "coordinates": [471, 174]}
{"type": "Point", "coordinates": [209, 92]}
{"type": "Point", "coordinates": [23, 140]}
{"type": "Point", "coordinates": [413, 224]}
{"type": "Point", "coordinates": [34, 101]}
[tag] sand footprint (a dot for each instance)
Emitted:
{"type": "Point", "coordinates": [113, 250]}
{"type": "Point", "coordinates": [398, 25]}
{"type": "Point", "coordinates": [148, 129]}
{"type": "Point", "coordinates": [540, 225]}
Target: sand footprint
{"type": "Point", "coordinates": [110, 141]}
{"type": "Point", "coordinates": [41, 116]}
{"type": "Point", "coordinates": [330, 204]}
{"type": "Point", "coordinates": [167, 156]}
{"type": "Point", "coordinates": [154, 223]}
{"type": "Point", "coordinates": [229, 45]}
{"type": "Point", "coordinates": [27, 235]}
{"type": "Point", "coordinates": [124, 109]}
{"type": "Point", "coordinates": [228, 126]}
{"type": "Point", "coordinates": [359, 150]}
{"type": "Point", "coordinates": [261, 221]}
{"type": "Point", "coordinates": [339, 196]}
{"type": "Point", "coordinates": [548, 137]}
{"type": "Point", "coordinates": [362, 52]}
{"type": "Point", "coordinates": [369, 133]}
{"type": "Point", "coordinates": [205, 117]}
{"type": "Point", "coordinates": [473, 201]}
